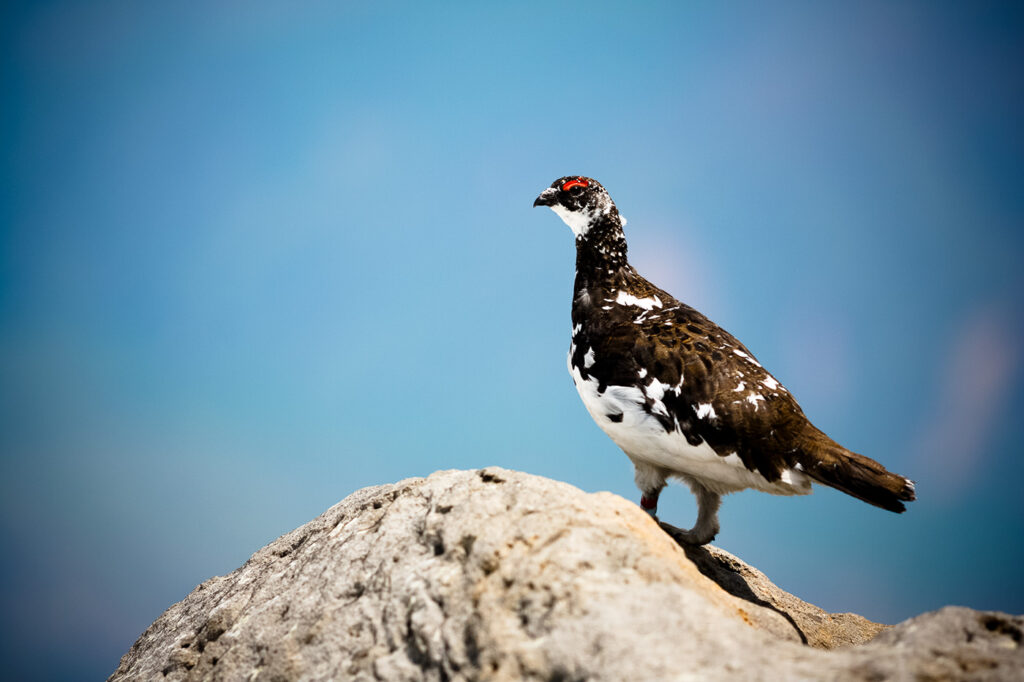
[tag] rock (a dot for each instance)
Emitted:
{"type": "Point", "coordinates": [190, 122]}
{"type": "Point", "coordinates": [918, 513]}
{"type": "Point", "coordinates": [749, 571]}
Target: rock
{"type": "Point", "coordinates": [953, 643]}
{"type": "Point", "coordinates": [500, 575]}
{"type": "Point", "coordinates": [812, 625]}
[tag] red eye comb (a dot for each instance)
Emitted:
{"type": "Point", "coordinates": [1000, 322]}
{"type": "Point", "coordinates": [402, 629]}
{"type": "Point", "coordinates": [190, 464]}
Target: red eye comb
{"type": "Point", "coordinates": [578, 182]}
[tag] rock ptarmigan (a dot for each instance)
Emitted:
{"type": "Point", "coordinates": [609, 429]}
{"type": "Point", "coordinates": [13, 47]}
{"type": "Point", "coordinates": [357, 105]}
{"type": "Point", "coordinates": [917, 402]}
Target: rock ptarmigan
{"type": "Point", "coordinates": [680, 395]}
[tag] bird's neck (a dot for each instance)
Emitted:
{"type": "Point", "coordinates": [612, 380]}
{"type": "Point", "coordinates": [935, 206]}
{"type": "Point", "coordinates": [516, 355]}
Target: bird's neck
{"type": "Point", "coordinates": [601, 252]}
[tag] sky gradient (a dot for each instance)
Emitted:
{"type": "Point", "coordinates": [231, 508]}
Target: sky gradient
{"type": "Point", "coordinates": [255, 256]}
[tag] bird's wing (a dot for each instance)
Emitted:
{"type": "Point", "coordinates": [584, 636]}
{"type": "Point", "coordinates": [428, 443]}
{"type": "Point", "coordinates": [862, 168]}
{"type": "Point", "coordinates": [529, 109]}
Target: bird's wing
{"type": "Point", "coordinates": [700, 380]}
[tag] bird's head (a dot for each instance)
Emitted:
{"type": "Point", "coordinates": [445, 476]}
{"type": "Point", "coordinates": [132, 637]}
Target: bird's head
{"type": "Point", "coordinates": [581, 202]}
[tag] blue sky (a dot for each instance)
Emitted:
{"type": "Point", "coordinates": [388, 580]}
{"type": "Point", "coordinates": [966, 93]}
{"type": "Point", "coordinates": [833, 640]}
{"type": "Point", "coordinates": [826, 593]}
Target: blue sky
{"type": "Point", "coordinates": [255, 256]}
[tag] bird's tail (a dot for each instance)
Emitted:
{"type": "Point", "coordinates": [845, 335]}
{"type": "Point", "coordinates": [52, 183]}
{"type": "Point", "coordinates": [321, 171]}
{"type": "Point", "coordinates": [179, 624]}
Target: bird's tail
{"type": "Point", "coordinates": [827, 462]}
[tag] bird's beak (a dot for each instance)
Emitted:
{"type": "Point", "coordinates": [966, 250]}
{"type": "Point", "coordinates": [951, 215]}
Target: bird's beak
{"type": "Point", "coordinates": [546, 198]}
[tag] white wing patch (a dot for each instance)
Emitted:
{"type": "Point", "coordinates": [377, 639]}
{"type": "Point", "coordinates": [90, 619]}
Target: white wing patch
{"type": "Point", "coordinates": [625, 298]}
{"type": "Point", "coordinates": [656, 391]}
{"type": "Point", "coordinates": [746, 357]}
{"type": "Point", "coordinates": [705, 411]}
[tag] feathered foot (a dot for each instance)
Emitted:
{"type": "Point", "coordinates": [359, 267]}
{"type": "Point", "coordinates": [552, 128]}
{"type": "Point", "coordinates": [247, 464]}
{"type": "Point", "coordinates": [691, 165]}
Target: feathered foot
{"type": "Point", "coordinates": [694, 536]}
{"type": "Point", "coordinates": [706, 528]}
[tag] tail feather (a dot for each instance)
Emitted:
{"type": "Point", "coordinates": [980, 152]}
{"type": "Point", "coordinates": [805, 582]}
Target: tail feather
{"type": "Point", "coordinates": [827, 462]}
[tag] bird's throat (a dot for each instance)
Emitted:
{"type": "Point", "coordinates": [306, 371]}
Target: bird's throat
{"type": "Point", "coordinates": [601, 252]}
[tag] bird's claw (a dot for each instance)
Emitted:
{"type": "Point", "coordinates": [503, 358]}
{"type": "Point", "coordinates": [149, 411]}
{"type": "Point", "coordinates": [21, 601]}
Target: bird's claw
{"type": "Point", "coordinates": [688, 537]}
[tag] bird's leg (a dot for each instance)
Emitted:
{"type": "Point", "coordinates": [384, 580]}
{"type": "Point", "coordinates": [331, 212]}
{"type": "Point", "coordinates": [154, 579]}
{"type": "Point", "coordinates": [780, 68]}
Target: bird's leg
{"type": "Point", "coordinates": [649, 502]}
{"type": "Point", "coordinates": [706, 528]}
{"type": "Point", "coordinates": [651, 481]}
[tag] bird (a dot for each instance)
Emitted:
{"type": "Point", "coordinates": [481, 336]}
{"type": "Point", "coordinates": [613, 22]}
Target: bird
{"type": "Point", "coordinates": [682, 397]}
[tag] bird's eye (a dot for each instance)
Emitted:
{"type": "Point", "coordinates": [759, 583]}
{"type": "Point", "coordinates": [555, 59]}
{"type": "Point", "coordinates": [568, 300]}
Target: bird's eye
{"type": "Point", "coordinates": [578, 182]}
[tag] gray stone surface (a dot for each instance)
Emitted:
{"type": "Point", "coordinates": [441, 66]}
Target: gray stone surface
{"type": "Point", "coordinates": [500, 575]}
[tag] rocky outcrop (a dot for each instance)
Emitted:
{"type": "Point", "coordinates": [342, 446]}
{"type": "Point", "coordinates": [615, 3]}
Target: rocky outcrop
{"type": "Point", "coordinates": [812, 625]}
{"type": "Point", "coordinates": [500, 575]}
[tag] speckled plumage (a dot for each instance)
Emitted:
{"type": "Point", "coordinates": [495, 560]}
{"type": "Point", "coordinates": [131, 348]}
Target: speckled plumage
{"type": "Point", "coordinates": [680, 395]}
